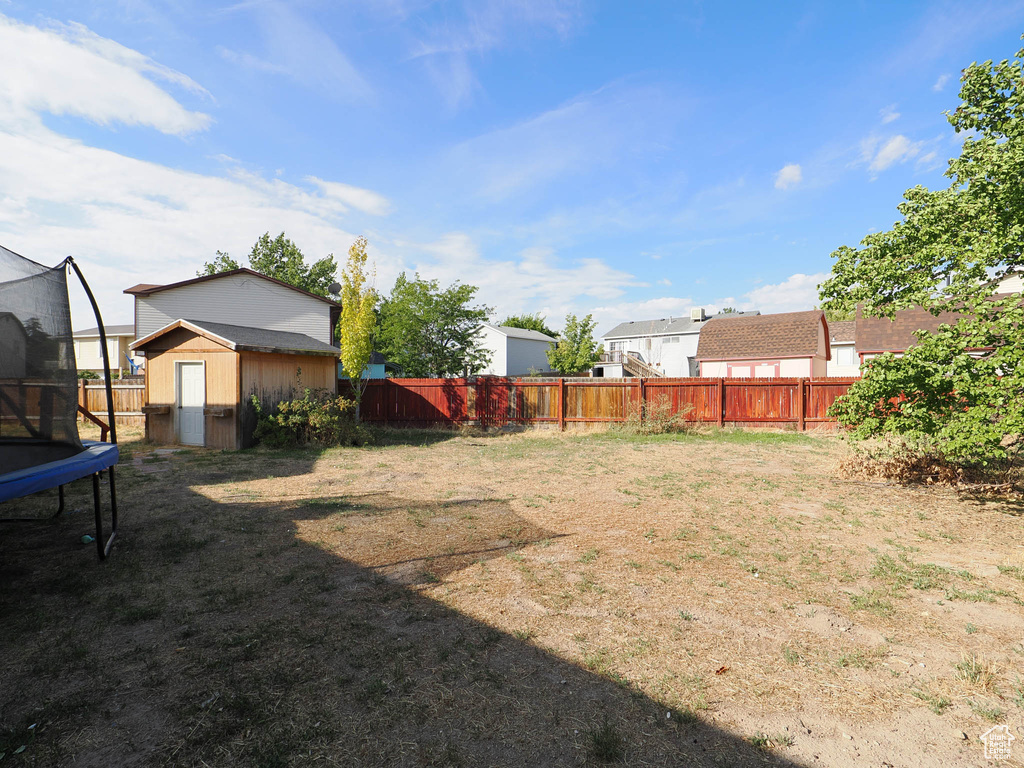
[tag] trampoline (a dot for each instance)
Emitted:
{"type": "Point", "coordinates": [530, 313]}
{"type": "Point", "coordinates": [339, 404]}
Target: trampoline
{"type": "Point", "coordinates": [40, 448]}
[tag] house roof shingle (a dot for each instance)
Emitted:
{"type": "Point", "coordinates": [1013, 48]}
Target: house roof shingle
{"type": "Point", "coordinates": [244, 338]}
{"type": "Point", "coordinates": [880, 334]}
{"type": "Point", "coordinates": [843, 331]}
{"type": "Point", "coordinates": [521, 333]}
{"type": "Point", "coordinates": [664, 326]}
{"type": "Point", "coordinates": [751, 337]}
{"type": "Point", "coordinates": [111, 330]}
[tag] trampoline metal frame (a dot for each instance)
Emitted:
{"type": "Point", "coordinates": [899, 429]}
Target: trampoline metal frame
{"type": "Point", "coordinates": [103, 546]}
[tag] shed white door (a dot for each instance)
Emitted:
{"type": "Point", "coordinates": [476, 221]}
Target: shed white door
{"type": "Point", "coordinates": [191, 400]}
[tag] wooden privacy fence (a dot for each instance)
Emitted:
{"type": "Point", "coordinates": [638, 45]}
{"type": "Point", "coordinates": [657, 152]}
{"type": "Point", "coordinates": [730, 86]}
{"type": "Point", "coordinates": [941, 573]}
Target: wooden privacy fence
{"type": "Point", "coordinates": [129, 397]}
{"type": "Point", "coordinates": [491, 401]}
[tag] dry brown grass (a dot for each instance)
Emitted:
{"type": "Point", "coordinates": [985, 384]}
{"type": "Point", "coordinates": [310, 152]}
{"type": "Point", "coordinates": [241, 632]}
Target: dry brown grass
{"type": "Point", "coordinates": [459, 599]}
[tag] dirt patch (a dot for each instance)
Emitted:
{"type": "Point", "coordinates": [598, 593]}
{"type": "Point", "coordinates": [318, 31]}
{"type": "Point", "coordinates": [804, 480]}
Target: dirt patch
{"type": "Point", "coordinates": [717, 599]}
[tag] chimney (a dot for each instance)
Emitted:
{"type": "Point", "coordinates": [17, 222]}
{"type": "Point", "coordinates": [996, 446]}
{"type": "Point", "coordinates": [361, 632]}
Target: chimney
{"type": "Point", "coordinates": [697, 315]}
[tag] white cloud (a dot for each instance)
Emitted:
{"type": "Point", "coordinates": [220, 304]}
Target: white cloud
{"type": "Point", "coordinates": [68, 70]}
{"type": "Point", "coordinates": [789, 176]}
{"type": "Point", "coordinates": [535, 278]}
{"type": "Point", "coordinates": [940, 83]}
{"type": "Point", "coordinates": [595, 130]}
{"type": "Point", "coordinates": [446, 49]}
{"type": "Point", "coordinates": [302, 51]}
{"type": "Point", "coordinates": [881, 155]}
{"type": "Point", "coordinates": [888, 114]}
{"type": "Point", "coordinates": [797, 292]}
{"type": "Point", "coordinates": [364, 200]}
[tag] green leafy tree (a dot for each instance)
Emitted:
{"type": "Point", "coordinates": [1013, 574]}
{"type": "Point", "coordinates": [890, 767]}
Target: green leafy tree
{"type": "Point", "coordinates": [535, 322]}
{"type": "Point", "coordinates": [961, 388]}
{"type": "Point", "coordinates": [358, 318]}
{"type": "Point", "coordinates": [576, 350]}
{"type": "Point", "coordinates": [222, 262]}
{"type": "Point", "coordinates": [280, 258]}
{"type": "Point", "coordinates": [430, 332]}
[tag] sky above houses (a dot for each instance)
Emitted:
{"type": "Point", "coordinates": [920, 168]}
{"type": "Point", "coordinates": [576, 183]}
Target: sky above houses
{"type": "Point", "coordinates": [629, 160]}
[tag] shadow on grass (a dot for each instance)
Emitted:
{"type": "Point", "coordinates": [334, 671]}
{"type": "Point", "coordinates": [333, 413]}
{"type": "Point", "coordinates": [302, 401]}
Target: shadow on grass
{"type": "Point", "coordinates": [215, 636]}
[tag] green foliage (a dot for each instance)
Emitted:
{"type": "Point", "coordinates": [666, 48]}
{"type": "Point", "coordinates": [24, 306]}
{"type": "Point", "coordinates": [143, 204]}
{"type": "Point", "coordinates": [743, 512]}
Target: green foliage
{"type": "Point", "coordinates": [962, 386]}
{"type": "Point", "coordinates": [358, 318]}
{"type": "Point", "coordinates": [318, 417]}
{"type": "Point", "coordinates": [535, 322]}
{"type": "Point", "coordinates": [88, 375]}
{"type": "Point", "coordinates": [576, 350]}
{"type": "Point", "coordinates": [222, 262]}
{"type": "Point", "coordinates": [281, 259]}
{"type": "Point", "coordinates": [430, 332]}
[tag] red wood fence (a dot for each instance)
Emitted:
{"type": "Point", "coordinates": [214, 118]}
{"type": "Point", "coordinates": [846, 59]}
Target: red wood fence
{"type": "Point", "coordinates": [491, 401]}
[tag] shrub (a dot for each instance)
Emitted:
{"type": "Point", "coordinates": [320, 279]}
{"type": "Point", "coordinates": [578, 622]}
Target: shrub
{"type": "Point", "coordinates": [88, 375]}
{"type": "Point", "coordinates": [318, 417]}
{"type": "Point", "coordinates": [658, 418]}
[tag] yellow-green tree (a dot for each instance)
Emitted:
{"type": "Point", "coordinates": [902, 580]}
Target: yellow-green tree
{"type": "Point", "coordinates": [358, 319]}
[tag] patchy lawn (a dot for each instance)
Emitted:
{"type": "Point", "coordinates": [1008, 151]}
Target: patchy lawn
{"type": "Point", "coordinates": [515, 600]}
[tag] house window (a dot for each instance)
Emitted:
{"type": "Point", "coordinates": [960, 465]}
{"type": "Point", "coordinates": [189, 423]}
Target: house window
{"type": "Point", "coordinates": [616, 345]}
{"type": "Point", "coordinates": [846, 356]}
{"type": "Point", "coordinates": [671, 340]}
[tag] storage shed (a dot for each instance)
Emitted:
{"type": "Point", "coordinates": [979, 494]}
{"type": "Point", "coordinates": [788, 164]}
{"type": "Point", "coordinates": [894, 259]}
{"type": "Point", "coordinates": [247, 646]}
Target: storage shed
{"type": "Point", "coordinates": [201, 375]}
{"type": "Point", "coordinates": [787, 344]}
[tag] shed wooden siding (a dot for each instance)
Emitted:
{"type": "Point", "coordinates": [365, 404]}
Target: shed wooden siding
{"type": "Point", "coordinates": [182, 345]}
{"type": "Point", "coordinates": [492, 401]}
{"type": "Point", "coordinates": [236, 300]}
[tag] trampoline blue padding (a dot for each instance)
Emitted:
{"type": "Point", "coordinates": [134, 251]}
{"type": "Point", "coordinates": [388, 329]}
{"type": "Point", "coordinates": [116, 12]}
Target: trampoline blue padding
{"type": "Point", "coordinates": [94, 457]}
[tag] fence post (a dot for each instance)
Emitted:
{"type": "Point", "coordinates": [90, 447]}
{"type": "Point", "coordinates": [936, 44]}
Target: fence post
{"type": "Point", "coordinates": [801, 420]}
{"type": "Point", "coordinates": [721, 402]}
{"type": "Point", "coordinates": [81, 394]}
{"type": "Point", "coordinates": [384, 399]}
{"type": "Point", "coordinates": [642, 393]}
{"type": "Point", "coordinates": [561, 404]}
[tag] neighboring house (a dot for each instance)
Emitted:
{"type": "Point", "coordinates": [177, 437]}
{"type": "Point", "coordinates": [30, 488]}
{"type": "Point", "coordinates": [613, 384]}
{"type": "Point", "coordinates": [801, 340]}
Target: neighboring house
{"type": "Point", "coordinates": [1011, 282]}
{"type": "Point", "coordinates": [789, 344]}
{"type": "Point", "coordinates": [514, 351]}
{"type": "Point", "coordinates": [13, 346]}
{"type": "Point", "coordinates": [89, 353]}
{"type": "Point", "coordinates": [239, 297]}
{"type": "Point", "coordinates": [876, 335]}
{"type": "Point", "coordinates": [667, 345]}
{"type": "Point", "coordinates": [378, 368]}
{"type": "Point", "coordinates": [845, 361]}
{"type": "Point", "coordinates": [213, 342]}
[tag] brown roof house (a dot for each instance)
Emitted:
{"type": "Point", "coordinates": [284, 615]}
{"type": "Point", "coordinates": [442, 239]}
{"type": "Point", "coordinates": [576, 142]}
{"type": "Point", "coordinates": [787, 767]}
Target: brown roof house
{"type": "Point", "coordinates": [842, 337]}
{"type": "Point", "coordinates": [789, 344]}
{"type": "Point", "coordinates": [876, 335]}
{"type": "Point", "coordinates": [213, 342]}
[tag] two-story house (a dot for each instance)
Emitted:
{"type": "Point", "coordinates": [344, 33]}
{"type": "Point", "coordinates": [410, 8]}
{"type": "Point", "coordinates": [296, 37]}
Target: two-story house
{"type": "Point", "coordinates": [663, 347]}
{"type": "Point", "coordinates": [212, 342]}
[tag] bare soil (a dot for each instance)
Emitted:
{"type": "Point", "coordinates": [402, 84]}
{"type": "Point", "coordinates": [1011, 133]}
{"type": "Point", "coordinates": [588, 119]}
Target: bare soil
{"type": "Point", "coordinates": [526, 599]}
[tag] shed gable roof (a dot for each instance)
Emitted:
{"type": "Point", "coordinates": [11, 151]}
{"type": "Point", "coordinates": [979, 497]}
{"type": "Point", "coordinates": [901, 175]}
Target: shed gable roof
{"type": "Point", "coordinates": [843, 331]}
{"type": "Point", "coordinates": [147, 289]}
{"type": "Point", "coordinates": [242, 338]}
{"type": "Point", "coordinates": [750, 337]}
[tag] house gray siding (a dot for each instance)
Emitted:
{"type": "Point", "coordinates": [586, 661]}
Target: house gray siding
{"type": "Point", "coordinates": [241, 300]}
{"type": "Point", "coordinates": [526, 356]}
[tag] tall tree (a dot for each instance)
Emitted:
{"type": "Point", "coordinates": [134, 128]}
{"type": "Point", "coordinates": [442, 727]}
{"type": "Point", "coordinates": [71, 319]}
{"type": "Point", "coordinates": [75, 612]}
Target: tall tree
{"type": "Point", "coordinates": [430, 332]}
{"type": "Point", "coordinates": [280, 258]}
{"type": "Point", "coordinates": [358, 318]}
{"type": "Point", "coordinates": [576, 350]}
{"type": "Point", "coordinates": [962, 387]}
{"type": "Point", "coordinates": [536, 322]}
{"type": "Point", "coordinates": [222, 262]}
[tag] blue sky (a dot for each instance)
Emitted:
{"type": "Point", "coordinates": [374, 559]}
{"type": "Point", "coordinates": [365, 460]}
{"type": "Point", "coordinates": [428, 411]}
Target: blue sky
{"type": "Point", "coordinates": [626, 159]}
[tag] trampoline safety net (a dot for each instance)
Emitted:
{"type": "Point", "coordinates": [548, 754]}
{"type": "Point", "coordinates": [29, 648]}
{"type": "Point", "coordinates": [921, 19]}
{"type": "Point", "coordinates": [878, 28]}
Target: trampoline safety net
{"type": "Point", "coordinates": [38, 377]}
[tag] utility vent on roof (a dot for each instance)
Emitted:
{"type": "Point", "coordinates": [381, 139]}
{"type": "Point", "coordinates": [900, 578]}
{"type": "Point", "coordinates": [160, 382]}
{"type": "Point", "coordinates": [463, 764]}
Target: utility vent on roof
{"type": "Point", "coordinates": [697, 315]}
